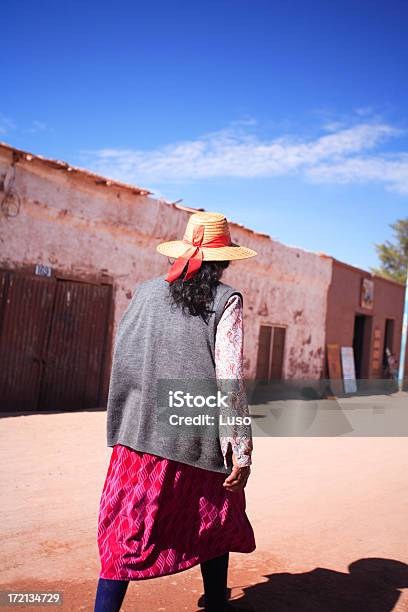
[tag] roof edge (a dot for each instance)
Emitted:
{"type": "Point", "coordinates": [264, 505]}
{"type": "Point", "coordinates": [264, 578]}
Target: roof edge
{"type": "Point", "coordinates": [103, 180]}
{"type": "Point", "coordinates": [63, 165]}
{"type": "Point", "coordinates": [366, 272]}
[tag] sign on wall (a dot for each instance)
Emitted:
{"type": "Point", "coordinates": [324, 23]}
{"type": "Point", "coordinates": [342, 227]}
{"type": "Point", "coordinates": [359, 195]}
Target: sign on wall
{"type": "Point", "coordinates": [367, 293]}
{"type": "Point", "coordinates": [41, 270]}
{"type": "Point", "coordinates": [348, 368]}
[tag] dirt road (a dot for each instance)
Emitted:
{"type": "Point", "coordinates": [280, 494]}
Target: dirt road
{"type": "Point", "coordinates": [330, 517]}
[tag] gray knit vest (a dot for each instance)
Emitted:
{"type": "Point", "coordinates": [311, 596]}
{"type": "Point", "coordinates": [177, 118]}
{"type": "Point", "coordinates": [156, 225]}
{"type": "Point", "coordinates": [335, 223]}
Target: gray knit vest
{"type": "Point", "coordinates": [155, 339]}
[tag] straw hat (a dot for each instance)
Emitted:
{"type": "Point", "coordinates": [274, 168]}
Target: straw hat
{"type": "Point", "coordinates": [206, 238]}
{"type": "Point", "coordinates": [215, 225]}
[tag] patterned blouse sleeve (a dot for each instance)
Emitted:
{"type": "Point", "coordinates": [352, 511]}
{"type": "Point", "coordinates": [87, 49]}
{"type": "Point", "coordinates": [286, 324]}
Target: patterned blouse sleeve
{"type": "Point", "coordinates": [229, 373]}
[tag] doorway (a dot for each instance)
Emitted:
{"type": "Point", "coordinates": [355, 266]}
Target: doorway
{"type": "Point", "coordinates": [361, 344]}
{"type": "Point", "coordinates": [54, 342]}
{"type": "Point", "coordinates": [388, 337]}
{"type": "Point", "coordinates": [270, 352]}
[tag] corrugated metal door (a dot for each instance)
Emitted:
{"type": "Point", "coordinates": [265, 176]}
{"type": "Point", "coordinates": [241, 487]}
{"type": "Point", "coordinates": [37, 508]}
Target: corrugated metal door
{"type": "Point", "coordinates": [25, 319]}
{"type": "Point", "coordinates": [75, 349]}
{"type": "Point", "coordinates": [53, 342]}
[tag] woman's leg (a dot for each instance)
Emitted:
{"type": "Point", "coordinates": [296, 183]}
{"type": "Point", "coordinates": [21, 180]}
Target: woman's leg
{"type": "Point", "coordinates": [110, 594]}
{"type": "Point", "coordinates": [215, 574]}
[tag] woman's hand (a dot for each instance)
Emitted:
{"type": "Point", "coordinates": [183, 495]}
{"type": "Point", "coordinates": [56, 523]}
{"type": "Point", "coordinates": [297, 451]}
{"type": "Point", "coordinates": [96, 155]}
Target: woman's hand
{"type": "Point", "coordinates": [237, 480]}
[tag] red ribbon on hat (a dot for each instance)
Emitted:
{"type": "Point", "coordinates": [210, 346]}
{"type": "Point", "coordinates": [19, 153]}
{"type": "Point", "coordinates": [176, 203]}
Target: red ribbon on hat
{"type": "Point", "coordinates": [194, 254]}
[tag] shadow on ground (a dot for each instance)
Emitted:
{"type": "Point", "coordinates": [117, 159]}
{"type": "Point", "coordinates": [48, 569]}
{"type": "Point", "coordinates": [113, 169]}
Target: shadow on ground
{"type": "Point", "coordinates": [372, 585]}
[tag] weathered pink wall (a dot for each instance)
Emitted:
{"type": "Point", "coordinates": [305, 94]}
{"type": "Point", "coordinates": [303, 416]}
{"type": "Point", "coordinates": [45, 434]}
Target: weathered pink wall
{"type": "Point", "coordinates": [69, 222]}
{"type": "Point", "coordinates": [284, 286]}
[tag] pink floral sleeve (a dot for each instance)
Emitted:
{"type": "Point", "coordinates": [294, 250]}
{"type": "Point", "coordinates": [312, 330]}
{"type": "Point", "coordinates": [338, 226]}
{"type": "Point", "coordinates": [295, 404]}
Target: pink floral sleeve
{"type": "Point", "coordinates": [229, 365]}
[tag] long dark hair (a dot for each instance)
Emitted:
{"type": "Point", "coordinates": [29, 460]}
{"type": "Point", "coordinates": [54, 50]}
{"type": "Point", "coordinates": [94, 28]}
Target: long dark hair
{"type": "Point", "coordinates": [195, 296]}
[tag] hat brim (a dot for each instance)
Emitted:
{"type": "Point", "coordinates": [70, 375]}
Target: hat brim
{"type": "Point", "coordinates": [175, 248]}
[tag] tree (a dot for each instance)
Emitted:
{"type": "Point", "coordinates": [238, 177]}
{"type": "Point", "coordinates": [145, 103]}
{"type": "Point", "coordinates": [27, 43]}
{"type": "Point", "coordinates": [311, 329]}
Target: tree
{"type": "Point", "coordinates": [394, 256]}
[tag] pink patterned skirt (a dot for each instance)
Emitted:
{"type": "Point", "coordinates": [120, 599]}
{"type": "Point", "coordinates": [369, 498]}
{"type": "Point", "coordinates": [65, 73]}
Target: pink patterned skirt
{"type": "Point", "coordinates": [159, 517]}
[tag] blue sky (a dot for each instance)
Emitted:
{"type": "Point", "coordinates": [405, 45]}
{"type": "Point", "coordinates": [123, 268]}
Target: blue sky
{"type": "Point", "coordinates": [289, 117]}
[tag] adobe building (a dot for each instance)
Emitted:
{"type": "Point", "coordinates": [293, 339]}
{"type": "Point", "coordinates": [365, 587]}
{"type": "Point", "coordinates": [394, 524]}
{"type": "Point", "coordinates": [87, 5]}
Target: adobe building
{"type": "Point", "coordinates": [74, 245]}
{"type": "Point", "coordinates": [365, 311]}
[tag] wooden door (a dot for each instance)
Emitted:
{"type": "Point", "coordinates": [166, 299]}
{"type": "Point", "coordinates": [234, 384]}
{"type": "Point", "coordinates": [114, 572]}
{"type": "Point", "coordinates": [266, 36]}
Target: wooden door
{"type": "Point", "coordinates": [278, 345]}
{"type": "Point", "coordinates": [76, 347]}
{"type": "Point", "coordinates": [26, 313]}
{"type": "Point", "coordinates": [270, 352]}
{"type": "Point", "coordinates": [264, 351]}
{"type": "Point", "coordinates": [53, 343]}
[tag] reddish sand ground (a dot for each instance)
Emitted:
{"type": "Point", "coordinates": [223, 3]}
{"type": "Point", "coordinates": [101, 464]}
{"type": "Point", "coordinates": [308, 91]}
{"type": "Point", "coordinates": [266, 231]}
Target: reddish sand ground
{"type": "Point", "coordinates": [330, 517]}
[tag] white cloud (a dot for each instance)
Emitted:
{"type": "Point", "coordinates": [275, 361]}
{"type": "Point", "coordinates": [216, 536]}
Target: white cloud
{"type": "Point", "coordinates": [36, 126]}
{"type": "Point", "coordinates": [363, 111]}
{"type": "Point", "coordinates": [6, 124]}
{"type": "Point", "coordinates": [391, 170]}
{"type": "Point", "coordinates": [340, 154]}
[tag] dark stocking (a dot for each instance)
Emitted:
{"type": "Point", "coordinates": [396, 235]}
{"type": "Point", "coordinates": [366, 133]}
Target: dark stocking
{"type": "Point", "coordinates": [215, 573]}
{"type": "Point", "coordinates": [110, 594]}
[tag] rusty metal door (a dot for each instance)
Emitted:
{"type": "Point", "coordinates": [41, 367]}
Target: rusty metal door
{"type": "Point", "coordinates": [26, 309]}
{"type": "Point", "coordinates": [76, 346]}
{"type": "Point", "coordinates": [53, 342]}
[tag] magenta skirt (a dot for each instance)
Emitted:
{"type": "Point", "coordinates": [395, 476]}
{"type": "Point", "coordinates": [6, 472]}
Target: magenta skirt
{"type": "Point", "coordinates": [159, 517]}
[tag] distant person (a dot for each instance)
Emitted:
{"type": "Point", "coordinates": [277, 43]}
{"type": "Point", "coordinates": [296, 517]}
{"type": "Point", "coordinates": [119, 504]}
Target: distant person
{"type": "Point", "coordinates": [391, 365]}
{"type": "Point", "coordinates": [170, 503]}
